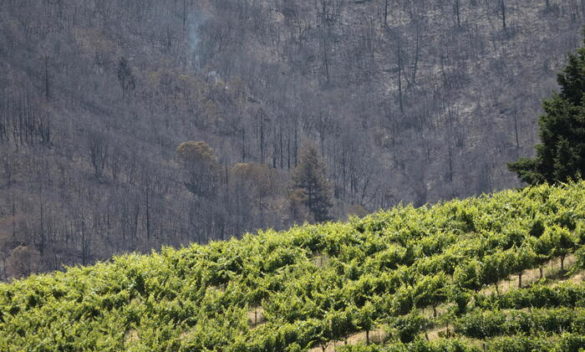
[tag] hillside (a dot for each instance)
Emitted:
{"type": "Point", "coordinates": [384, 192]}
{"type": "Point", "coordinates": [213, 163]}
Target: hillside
{"type": "Point", "coordinates": [426, 279]}
{"type": "Point", "coordinates": [398, 96]}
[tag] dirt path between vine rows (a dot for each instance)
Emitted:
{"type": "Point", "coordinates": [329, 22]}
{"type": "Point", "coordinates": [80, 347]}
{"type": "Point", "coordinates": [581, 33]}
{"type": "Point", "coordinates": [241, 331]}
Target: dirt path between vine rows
{"type": "Point", "coordinates": [377, 336]}
{"type": "Point", "coordinates": [256, 317]}
{"type": "Point", "coordinates": [551, 270]}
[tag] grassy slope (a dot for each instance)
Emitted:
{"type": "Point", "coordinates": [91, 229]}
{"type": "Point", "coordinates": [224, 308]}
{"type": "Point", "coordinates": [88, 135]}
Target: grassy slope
{"type": "Point", "coordinates": [314, 283]}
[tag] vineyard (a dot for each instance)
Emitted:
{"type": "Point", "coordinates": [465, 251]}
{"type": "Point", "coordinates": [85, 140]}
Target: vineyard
{"type": "Point", "coordinates": [406, 279]}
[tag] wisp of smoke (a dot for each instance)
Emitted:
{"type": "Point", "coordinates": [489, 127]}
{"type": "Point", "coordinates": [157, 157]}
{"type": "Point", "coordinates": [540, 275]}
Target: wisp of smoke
{"type": "Point", "coordinates": [195, 20]}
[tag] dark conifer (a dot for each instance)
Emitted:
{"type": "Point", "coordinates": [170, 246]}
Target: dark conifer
{"type": "Point", "coordinates": [561, 155]}
{"type": "Point", "coordinates": [310, 182]}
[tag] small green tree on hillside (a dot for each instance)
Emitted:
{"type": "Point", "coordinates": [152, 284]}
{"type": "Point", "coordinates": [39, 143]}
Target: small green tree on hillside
{"type": "Point", "coordinates": [561, 155]}
{"type": "Point", "coordinates": [310, 185]}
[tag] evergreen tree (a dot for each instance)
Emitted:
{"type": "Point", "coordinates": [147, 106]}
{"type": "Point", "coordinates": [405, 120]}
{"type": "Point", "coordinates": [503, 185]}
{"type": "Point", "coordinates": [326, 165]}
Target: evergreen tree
{"type": "Point", "coordinates": [310, 185]}
{"type": "Point", "coordinates": [561, 155]}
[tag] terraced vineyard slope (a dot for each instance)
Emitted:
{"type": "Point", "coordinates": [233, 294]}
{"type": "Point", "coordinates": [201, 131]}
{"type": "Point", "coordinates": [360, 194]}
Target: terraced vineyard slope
{"type": "Point", "coordinates": [407, 279]}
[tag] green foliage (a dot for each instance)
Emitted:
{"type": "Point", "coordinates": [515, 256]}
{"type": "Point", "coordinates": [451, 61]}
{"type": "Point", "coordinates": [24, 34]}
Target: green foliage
{"type": "Point", "coordinates": [483, 324]}
{"type": "Point", "coordinates": [409, 326]}
{"type": "Point", "coordinates": [537, 296]}
{"type": "Point", "coordinates": [561, 156]}
{"type": "Point", "coordinates": [519, 344]}
{"type": "Point", "coordinates": [386, 269]}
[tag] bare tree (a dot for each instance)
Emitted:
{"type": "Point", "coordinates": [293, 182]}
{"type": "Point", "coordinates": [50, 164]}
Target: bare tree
{"type": "Point", "coordinates": [98, 153]}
